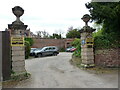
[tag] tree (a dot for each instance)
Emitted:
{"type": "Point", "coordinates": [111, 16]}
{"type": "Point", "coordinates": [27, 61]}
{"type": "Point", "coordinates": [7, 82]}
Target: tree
{"type": "Point", "coordinates": [59, 32]}
{"type": "Point", "coordinates": [70, 28]}
{"type": "Point", "coordinates": [107, 13]}
{"type": "Point", "coordinates": [39, 33]}
{"type": "Point", "coordinates": [56, 36]}
{"type": "Point", "coordinates": [73, 33]}
{"type": "Point", "coordinates": [43, 34]}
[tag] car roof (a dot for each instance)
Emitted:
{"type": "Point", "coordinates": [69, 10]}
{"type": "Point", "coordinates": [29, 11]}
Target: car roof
{"type": "Point", "coordinates": [49, 46]}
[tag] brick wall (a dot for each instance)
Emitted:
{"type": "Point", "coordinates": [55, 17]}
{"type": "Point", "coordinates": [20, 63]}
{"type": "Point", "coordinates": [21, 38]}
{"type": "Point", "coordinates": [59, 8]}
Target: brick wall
{"type": "Point", "coordinates": [39, 43]}
{"type": "Point", "coordinates": [107, 58]}
{"type": "Point", "coordinates": [60, 43]}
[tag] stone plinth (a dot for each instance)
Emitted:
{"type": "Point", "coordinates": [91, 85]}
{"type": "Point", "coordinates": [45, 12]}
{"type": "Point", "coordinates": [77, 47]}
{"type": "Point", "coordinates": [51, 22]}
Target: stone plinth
{"type": "Point", "coordinates": [87, 54]}
{"type": "Point", "coordinates": [18, 59]}
{"type": "Point", "coordinates": [18, 52]}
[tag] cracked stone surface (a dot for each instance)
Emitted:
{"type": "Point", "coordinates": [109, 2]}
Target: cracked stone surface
{"type": "Point", "coordinates": [57, 72]}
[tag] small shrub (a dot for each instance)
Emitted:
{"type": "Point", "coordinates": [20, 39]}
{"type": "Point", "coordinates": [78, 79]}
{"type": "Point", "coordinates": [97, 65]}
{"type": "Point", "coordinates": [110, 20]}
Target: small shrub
{"type": "Point", "coordinates": [62, 50]}
{"type": "Point", "coordinates": [30, 40]}
{"type": "Point", "coordinates": [105, 41]}
{"type": "Point", "coordinates": [77, 44]}
{"type": "Point", "coordinates": [27, 49]}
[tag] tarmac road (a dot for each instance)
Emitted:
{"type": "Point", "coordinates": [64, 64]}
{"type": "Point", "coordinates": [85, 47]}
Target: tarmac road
{"type": "Point", "coordinates": [57, 72]}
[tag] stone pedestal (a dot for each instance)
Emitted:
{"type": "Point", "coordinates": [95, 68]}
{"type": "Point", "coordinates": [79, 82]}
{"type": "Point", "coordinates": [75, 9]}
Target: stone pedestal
{"type": "Point", "coordinates": [87, 54]}
{"type": "Point", "coordinates": [18, 59]}
{"type": "Point", "coordinates": [18, 52]}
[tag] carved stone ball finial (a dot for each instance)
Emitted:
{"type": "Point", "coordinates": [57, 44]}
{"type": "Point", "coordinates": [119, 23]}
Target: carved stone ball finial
{"type": "Point", "coordinates": [86, 19]}
{"type": "Point", "coordinates": [17, 11]}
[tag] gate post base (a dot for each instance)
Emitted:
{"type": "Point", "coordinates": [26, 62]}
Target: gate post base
{"type": "Point", "coordinates": [20, 76]}
{"type": "Point", "coordinates": [87, 65]}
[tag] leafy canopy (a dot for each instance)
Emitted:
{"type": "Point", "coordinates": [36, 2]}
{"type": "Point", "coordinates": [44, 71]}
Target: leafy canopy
{"type": "Point", "coordinates": [107, 13]}
{"type": "Point", "coordinates": [74, 33]}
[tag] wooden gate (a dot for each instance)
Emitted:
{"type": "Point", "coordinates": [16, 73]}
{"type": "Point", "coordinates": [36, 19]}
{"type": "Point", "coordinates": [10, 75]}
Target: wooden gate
{"type": "Point", "coordinates": [6, 55]}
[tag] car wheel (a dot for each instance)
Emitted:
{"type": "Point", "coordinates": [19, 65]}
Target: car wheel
{"type": "Point", "coordinates": [39, 55]}
{"type": "Point", "coordinates": [55, 54]}
{"type": "Point", "coordinates": [35, 56]}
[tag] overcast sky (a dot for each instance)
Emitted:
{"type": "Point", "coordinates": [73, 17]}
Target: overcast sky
{"type": "Point", "coordinates": [48, 15]}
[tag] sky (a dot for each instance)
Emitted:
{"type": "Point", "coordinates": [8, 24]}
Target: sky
{"type": "Point", "coordinates": [53, 16]}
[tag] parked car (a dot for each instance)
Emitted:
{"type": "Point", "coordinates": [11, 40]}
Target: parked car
{"type": "Point", "coordinates": [70, 49]}
{"type": "Point", "coordinates": [45, 51]}
{"type": "Point", "coordinates": [32, 51]}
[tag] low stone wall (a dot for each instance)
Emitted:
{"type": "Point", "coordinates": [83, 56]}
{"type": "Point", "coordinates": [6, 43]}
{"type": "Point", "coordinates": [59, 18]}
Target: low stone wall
{"type": "Point", "coordinates": [107, 58]}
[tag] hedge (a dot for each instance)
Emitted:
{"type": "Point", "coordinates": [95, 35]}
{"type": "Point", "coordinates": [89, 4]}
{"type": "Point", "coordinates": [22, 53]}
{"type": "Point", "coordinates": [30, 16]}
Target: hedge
{"type": "Point", "coordinates": [27, 49]}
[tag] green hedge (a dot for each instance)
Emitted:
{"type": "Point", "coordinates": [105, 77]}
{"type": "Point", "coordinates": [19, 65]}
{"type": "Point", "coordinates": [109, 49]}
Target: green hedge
{"type": "Point", "coordinates": [105, 41]}
{"type": "Point", "coordinates": [30, 40]}
{"type": "Point", "coordinates": [77, 44]}
{"type": "Point", "coordinates": [27, 49]}
{"type": "Point", "coordinates": [28, 43]}
{"type": "Point", "coordinates": [62, 49]}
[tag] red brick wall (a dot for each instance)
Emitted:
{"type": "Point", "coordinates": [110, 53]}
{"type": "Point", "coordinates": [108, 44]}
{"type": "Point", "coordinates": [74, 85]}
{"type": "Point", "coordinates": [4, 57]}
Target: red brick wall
{"type": "Point", "coordinates": [39, 43]}
{"type": "Point", "coordinates": [107, 58]}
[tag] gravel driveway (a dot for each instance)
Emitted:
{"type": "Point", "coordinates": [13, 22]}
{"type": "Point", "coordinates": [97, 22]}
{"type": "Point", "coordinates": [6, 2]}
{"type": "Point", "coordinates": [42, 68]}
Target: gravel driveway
{"type": "Point", "coordinates": [57, 72]}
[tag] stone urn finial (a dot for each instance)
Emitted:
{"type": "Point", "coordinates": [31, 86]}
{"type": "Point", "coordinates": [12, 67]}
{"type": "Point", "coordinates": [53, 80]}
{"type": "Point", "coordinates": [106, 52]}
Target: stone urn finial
{"type": "Point", "coordinates": [18, 12]}
{"type": "Point", "coordinates": [17, 24]}
{"type": "Point", "coordinates": [86, 19]}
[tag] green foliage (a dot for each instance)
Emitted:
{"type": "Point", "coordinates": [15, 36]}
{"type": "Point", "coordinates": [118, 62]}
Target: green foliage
{"type": "Point", "coordinates": [27, 49]}
{"type": "Point", "coordinates": [12, 72]}
{"type": "Point", "coordinates": [73, 34]}
{"type": "Point", "coordinates": [19, 77]}
{"type": "Point", "coordinates": [108, 14]}
{"type": "Point", "coordinates": [30, 40]}
{"type": "Point", "coordinates": [98, 33]}
{"type": "Point", "coordinates": [105, 41]}
{"type": "Point", "coordinates": [62, 49]}
{"type": "Point", "coordinates": [76, 43]}
{"type": "Point", "coordinates": [55, 35]}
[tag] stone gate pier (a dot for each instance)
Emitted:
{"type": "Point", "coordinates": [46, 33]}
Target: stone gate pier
{"type": "Point", "coordinates": [17, 29]}
{"type": "Point", "coordinates": [87, 41]}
